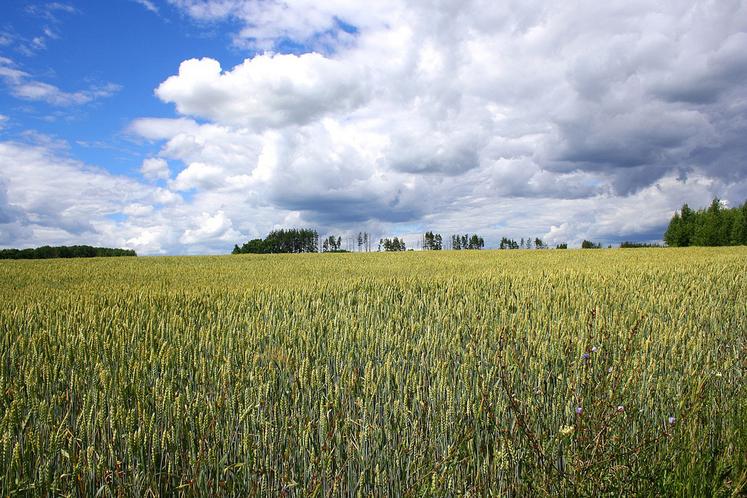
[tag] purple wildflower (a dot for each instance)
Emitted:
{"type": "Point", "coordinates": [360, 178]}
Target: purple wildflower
{"type": "Point", "coordinates": [585, 356]}
{"type": "Point", "coordinates": [579, 410]}
{"type": "Point", "coordinates": [672, 420]}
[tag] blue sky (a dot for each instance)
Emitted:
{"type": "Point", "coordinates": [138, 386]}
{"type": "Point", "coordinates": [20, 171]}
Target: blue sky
{"type": "Point", "coordinates": [95, 43]}
{"type": "Point", "coordinates": [185, 126]}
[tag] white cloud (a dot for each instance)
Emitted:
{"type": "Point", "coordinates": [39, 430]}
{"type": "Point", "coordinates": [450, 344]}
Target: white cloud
{"type": "Point", "coordinates": [138, 210]}
{"type": "Point", "coordinates": [524, 119]}
{"type": "Point", "coordinates": [149, 5]}
{"type": "Point", "coordinates": [266, 91]}
{"type": "Point", "coordinates": [209, 227]}
{"type": "Point", "coordinates": [155, 168]}
{"type": "Point", "coordinates": [36, 90]}
{"type": "Point", "coordinates": [461, 106]}
{"type": "Point", "coordinates": [162, 128]}
{"type": "Point", "coordinates": [198, 175]}
{"type": "Point", "coordinates": [47, 198]}
{"type": "Point", "coordinates": [23, 86]}
{"type": "Point", "coordinates": [58, 193]}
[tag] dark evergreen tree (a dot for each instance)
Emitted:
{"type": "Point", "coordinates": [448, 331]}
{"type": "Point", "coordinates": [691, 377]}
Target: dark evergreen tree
{"type": "Point", "coordinates": [507, 243]}
{"type": "Point", "coordinates": [713, 226]}
{"type": "Point", "coordinates": [393, 245]}
{"type": "Point", "coordinates": [432, 242]}
{"type": "Point", "coordinates": [456, 242]}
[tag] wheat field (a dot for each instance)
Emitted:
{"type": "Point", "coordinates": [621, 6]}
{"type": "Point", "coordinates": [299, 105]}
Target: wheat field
{"type": "Point", "coordinates": [454, 373]}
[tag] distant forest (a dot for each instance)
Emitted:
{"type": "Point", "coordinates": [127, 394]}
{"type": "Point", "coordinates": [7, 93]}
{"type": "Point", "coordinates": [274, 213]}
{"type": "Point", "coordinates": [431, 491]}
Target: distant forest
{"type": "Point", "coordinates": [50, 252]}
{"type": "Point", "coordinates": [711, 226]}
{"type": "Point", "coordinates": [303, 240]}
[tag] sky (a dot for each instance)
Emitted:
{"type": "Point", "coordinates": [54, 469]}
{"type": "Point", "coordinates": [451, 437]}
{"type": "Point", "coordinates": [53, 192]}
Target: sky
{"type": "Point", "coordinates": [187, 126]}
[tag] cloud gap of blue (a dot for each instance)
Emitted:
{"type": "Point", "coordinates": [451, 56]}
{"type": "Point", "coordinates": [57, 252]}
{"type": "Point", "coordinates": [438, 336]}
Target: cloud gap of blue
{"type": "Point", "coordinates": [326, 42]}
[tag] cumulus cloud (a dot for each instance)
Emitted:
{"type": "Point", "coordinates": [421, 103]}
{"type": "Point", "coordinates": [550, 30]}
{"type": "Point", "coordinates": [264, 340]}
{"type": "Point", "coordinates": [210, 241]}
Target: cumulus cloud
{"type": "Point", "coordinates": [266, 91]}
{"type": "Point", "coordinates": [60, 193]}
{"type": "Point", "coordinates": [198, 175]}
{"type": "Point", "coordinates": [209, 227]}
{"type": "Point", "coordinates": [46, 198]}
{"type": "Point", "coordinates": [436, 108]}
{"type": "Point", "coordinates": [155, 168]}
{"type": "Point", "coordinates": [533, 118]}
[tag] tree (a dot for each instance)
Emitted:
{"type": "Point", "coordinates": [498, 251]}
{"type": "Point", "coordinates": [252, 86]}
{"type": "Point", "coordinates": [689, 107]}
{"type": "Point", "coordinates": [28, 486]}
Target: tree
{"type": "Point", "coordinates": [393, 245]}
{"type": "Point", "coordinates": [738, 234]}
{"type": "Point", "coordinates": [587, 244]}
{"type": "Point", "coordinates": [432, 242]}
{"type": "Point", "coordinates": [674, 234]}
{"type": "Point", "coordinates": [456, 242]}
{"type": "Point", "coordinates": [688, 217]}
{"type": "Point", "coordinates": [460, 242]}
{"type": "Point", "coordinates": [283, 241]}
{"type": "Point", "coordinates": [49, 252]}
{"type": "Point", "coordinates": [507, 243]}
{"type": "Point", "coordinates": [708, 231]}
{"type": "Point", "coordinates": [713, 226]}
{"type": "Point", "coordinates": [476, 242]}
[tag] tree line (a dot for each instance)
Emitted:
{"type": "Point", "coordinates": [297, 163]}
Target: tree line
{"type": "Point", "coordinates": [292, 240]}
{"type": "Point", "coordinates": [637, 245]}
{"type": "Point", "coordinates": [51, 252]}
{"type": "Point", "coordinates": [296, 240]}
{"type": "Point", "coordinates": [711, 226]}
